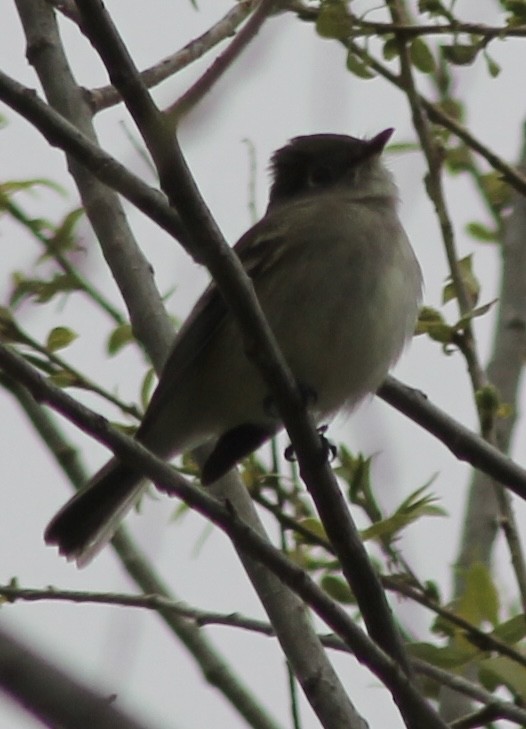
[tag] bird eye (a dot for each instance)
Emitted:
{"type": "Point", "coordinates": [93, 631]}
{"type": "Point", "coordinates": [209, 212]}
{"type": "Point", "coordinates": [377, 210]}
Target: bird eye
{"type": "Point", "coordinates": [321, 175]}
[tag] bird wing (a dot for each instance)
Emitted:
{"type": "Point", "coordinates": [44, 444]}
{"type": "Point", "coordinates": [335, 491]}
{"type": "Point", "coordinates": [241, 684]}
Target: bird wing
{"type": "Point", "coordinates": [256, 250]}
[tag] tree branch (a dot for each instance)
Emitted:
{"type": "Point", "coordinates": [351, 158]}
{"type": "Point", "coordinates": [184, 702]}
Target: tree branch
{"type": "Point", "coordinates": [462, 442]}
{"type": "Point", "coordinates": [503, 709]}
{"type": "Point", "coordinates": [107, 96]}
{"type": "Point", "coordinates": [414, 709]}
{"type": "Point", "coordinates": [213, 666]}
{"type": "Point", "coordinates": [237, 290]}
{"type": "Point", "coordinates": [132, 272]}
{"type": "Point", "coordinates": [201, 87]}
{"type": "Point", "coordinates": [51, 695]}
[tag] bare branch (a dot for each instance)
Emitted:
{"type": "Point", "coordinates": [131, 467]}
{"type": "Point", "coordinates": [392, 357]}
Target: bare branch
{"type": "Point", "coordinates": [79, 280]}
{"type": "Point", "coordinates": [183, 105]}
{"type": "Point", "coordinates": [67, 8]}
{"type": "Point", "coordinates": [505, 371]}
{"type": "Point", "coordinates": [462, 442]}
{"type": "Point", "coordinates": [51, 695]}
{"type": "Point", "coordinates": [107, 96]}
{"type": "Point", "coordinates": [413, 707]}
{"type": "Point", "coordinates": [213, 666]}
{"type": "Point", "coordinates": [505, 710]}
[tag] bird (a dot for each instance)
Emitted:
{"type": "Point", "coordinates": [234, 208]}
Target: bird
{"type": "Point", "coordinates": [340, 286]}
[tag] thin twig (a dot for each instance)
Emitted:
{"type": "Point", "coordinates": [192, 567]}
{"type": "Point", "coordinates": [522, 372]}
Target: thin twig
{"type": "Point", "coordinates": [479, 378]}
{"type": "Point", "coordinates": [61, 133]}
{"type": "Point", "coordinates": [79, 280]}
{"type": "Point", "coordinates": [107, 96]}
{"type": "Point", "coordinates": [409, 30]}
{"type": "Point", "coordinates": [482, 640]}
{"type": "Point", "coordinates": [211, 663]}
{"type": "Point", "coordinates": [196, 92]}
{"type": "Point", "coordinates": [510, 174]}
{"type": "Point", "coordinates": [79, 379]}
{"type": "Point", "coordinates": [412, 705]}
{"type": "Point", "coordinates": [458, 683]}
{"type": "Point", "coordinates": [436, 194]}
{"type": "Point", "coordinates": [460, 440]}
{"type": "Point", "coordinates": [235, 620]}
{"type": "Point", "coordinates": [130, 268]}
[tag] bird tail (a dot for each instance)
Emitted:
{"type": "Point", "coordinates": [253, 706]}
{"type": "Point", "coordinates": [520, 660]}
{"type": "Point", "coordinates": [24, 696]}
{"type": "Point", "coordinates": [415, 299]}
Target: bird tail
{"type": "Point", "coordinates": [90, 518]}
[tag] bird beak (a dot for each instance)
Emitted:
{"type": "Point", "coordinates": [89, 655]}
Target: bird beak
{"type": "Point", "coordinates": [377, 144]}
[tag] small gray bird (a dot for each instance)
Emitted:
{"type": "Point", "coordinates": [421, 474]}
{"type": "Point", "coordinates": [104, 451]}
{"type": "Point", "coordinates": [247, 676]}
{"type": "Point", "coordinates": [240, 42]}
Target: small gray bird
{"type": "Point", "coordinates": [340, 286]}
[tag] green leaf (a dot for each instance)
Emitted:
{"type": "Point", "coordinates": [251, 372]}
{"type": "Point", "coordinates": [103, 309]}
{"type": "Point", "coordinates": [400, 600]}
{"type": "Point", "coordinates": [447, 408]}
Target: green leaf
{"type": "Point", "coordinates": [120, 337]}
{"type": "Point", "coordinates": [473, 314]}
{"type": "Point", "coordinates": [432, 590]}
{"type": "Point", "coordinates": [9, 331]}
{"type": "Point", "coordinates": [493, 67]}
{"type": "Point", "coordinates": [64, 378]}
{"type": "Point", "coordinates": [471, 283]}
{"type": "Point", "coordinates": [147, 387]}
{"type": "Point", "coordinates": [40, 289]}
{"type": "Point", "coordinates": [391, 48]}
{"type": "Point", "coordinates": [518, 10]}
{"type": "Point", "coordinates": [333, 20]}
{"type": "Point", "coordinates": [488, 401]}
{"type": "Point", "coordinates": [479, 602]}
{"type": "Point", "coordinates": [338, 589]}
{"type": "Point", "coordinates": [452, 107]}
{"type": "Point", "coordinates": [458, 159]}
{"type": "Point", "coordinates": [124, 428]}
{"type": "Point", "coordinates": [511, 631]}
{"type": "Point", "coordinates": [448, 657]}
{"type": "Point", "coordinates": [433, 7]}
{"type": "Point", "coordinates": [496, 189]}
{"type": "Point", "coordinates": [503, 671]}
{"type": "Point", "coordinates": [63, 238]}
{"type": "Point", "coordinates": [12, 186]}
{"type": "Point", "coordinates": [358, 67]}
{"type": "Point", "coordinates": [313, 525]}
{"type": "Point", "coordinates": [460, 54]}
{"type": "Point", "coordinates": [356, 472]}
{"type": "Point", "coordinates": [481, 232]}
{"type": "Point", "coordinates": [60, 337]}
{"type": "Point", "coordinates": [431, 322]}
{"type": "Point", "coordinates": [418, 504]}
{"type": "Point", "coordinates": [421, 56]}
{"type": "Point", "coordinates": [255, 475]}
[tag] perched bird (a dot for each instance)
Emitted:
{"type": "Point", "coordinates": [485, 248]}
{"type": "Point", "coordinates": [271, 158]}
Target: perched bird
{"type": "Point", "coordinates": [340, 286]}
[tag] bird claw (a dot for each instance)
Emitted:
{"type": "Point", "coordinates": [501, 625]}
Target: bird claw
{"type": "Point", "coordinates": [329, 449]}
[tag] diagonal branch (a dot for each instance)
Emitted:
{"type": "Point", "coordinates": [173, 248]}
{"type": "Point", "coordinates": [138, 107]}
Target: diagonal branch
{"type": "Point", "coordinates": [413, 707]}
{"type": "Point", "coordinates": [462, 442]}
{"type": "Point", "coordinates": [213, 666]}
{"type": "Point", "coordinates": [238, 292]}
{"type": "Point", "coordinates": [51, 695]}
{"type": "Point", "coordinates": [107, 96]}
{"type": "Point", "coordinates": [194, 94]}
